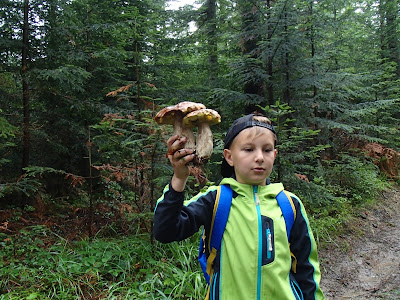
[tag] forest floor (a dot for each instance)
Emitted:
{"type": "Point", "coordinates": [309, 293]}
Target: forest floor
{"type": "Point", "coordinates": [364, 261]}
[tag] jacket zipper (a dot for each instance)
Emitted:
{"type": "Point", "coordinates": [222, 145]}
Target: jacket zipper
{"type": "Point", "coordinates": [269, 242]}
{"type": "Point", "coordinates": [257, 202]}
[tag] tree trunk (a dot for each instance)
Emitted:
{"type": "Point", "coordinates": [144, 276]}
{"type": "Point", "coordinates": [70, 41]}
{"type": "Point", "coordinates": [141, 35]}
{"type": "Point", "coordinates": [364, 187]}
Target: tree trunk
{"type": "Point", "coordinates": [87, 32]}
{"type": "Point", "coordinates": [249, 42]}
{"type": "Point", "coordinates": [137, 76]}
{"type": "Point", "coordinates": [270, 56]}
{"type": "Point", "coordinates": [391, 10]}
{"type": "Point", "coordinates": [336, 33]}
{"type": "Point", "coordinates": [25, 89]}
{"type": "Point", "coordinates": [152, 186]}
{"type": "Point", "coordinates": [212, 41]}
{"type": "Point", "coordinates": [312, 42]}
{"type": "Point", "coordinates": [286, 92]}
{"type": "Point", "coordinates": [381, 27]}
{"type": "Point", "coordinates": [91, 206]}
{"type": "Point", "coordinates": [136, 65]}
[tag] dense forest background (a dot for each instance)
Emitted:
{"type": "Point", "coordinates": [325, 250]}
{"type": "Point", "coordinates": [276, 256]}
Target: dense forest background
{"type": "Point", "coordinates": [82, 160]}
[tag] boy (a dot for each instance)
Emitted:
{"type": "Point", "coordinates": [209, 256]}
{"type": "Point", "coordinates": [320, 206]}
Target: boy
{"type": "Point", "coordinates": [245, 267]}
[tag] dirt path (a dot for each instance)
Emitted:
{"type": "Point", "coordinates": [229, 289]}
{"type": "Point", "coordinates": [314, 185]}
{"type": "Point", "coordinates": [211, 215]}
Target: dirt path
{"type": "Point", "coordinates": [365, 263]}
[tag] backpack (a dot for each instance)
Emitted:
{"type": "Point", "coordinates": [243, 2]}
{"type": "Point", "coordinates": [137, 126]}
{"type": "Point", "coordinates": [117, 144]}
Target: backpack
{"type": "Point", "coordinates": [222, 207]}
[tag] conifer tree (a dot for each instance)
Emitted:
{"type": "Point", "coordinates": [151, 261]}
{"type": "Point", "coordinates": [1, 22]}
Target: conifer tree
{"type": "Point", "coordinates": [25, 88]}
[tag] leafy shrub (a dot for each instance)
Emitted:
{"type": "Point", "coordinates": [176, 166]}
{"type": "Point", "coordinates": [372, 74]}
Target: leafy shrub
{"type": "Point", "coordinates": [354, 178]}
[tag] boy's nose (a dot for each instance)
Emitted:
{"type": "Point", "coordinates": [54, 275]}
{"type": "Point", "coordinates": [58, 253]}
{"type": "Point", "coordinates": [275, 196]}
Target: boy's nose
{"type": "Point", "coordinates": [259, 155]}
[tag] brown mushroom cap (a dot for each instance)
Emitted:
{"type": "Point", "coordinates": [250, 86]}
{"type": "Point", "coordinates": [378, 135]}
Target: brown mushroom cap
{"type": "Point", "coordinates": [168, 114]}
{"type": "Point", "coordinates": [197, 117]}
{"type": "Point", "coordinates": [173, 115]}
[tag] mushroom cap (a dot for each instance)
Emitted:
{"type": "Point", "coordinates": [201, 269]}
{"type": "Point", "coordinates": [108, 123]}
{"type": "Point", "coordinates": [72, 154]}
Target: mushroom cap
{"type": "Point", "coordinates": [168, 114]}
{"type": "Point", "coordinates": [204, 115]}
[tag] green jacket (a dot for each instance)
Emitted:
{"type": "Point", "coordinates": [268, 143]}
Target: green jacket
{"type": "Point", "coordinates": [246, 268]}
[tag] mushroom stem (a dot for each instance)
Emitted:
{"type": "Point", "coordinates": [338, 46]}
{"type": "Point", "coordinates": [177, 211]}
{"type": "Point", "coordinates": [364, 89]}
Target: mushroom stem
{"type": "Point", "coordinates": [180, 130]}
{"type": "Point", "coordinates": [204, 143]}
{"type": "Point", "coordinates": [178, 124]}
{"type": "Point", "coordinates": [191, 142]}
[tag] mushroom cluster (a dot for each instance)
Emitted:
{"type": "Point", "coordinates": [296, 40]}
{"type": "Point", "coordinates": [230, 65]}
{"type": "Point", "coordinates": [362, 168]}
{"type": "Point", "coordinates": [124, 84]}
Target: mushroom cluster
{"type": "Point", "coordinates": [186, 115]}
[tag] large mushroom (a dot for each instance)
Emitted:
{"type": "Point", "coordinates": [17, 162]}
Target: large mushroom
{"type": "Point", "coordinates": [173, 115]}
{"type": "Point", "coordinates": [203, 118]}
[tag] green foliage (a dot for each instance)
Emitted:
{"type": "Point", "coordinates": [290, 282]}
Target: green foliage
{"type": "Point", "coordinates": [31, 181]}
{"type": "Point", "coordinates": [68, 78]}
{"type": "Point", "coordinates": [38, 264]}
{"type": "Point", "coordinates": [24, 186]}
{"type": "Point", "coordinates": [354, 178]}
{"type": "Point", "coordinates": [7, 139]}
{"type": "Point", "coordinates": [297, 150]}
{"type": "Point", "coordinates": [7, 130]}
{"type": "Point", "coordinates": [368, 121]}
{"type": "Point", "coordinates": [131, 140]}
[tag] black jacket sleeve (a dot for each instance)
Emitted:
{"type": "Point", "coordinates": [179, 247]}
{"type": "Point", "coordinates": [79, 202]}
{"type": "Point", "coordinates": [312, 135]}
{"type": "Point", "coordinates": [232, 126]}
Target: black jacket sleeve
{"type": "Point", "coordinates": [174, 221]}
{"type": "Point", "coordinates": [302, 245]}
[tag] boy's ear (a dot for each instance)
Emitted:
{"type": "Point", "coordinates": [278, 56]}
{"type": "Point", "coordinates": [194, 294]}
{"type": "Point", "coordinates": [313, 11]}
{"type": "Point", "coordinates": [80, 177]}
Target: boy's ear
{"type": "Point", "coordinates": [228, 157]}
{"type": "Point", "coordinates": [275, 152]}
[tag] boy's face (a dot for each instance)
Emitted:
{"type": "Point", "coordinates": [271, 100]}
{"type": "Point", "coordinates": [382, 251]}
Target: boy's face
{"type": "Point", "coordinates": [252, 154]}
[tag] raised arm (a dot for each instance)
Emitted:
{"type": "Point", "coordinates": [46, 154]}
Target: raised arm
{"type": "Point", "coordinates": [173, 220]}
{"type": "Point", "coordinates": [179, 157]}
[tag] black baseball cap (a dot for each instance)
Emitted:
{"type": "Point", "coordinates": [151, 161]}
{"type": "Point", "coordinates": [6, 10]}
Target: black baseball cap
{"type": "Point", "coordinates": [237, 126]}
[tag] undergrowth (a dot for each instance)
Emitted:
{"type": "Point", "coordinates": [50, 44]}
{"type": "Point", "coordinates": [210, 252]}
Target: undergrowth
{"type": "Point", "coordinates": [37, 264]}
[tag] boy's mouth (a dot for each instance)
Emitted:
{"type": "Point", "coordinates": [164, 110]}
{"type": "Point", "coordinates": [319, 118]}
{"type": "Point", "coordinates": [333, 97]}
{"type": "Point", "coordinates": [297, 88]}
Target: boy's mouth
{"type": "Point", "coordinates": [259, 169]}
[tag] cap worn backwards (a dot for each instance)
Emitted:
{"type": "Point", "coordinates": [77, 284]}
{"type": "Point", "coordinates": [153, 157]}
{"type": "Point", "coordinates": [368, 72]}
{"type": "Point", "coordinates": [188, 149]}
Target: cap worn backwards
{"type": "Point", "coordinates": [237, 126]}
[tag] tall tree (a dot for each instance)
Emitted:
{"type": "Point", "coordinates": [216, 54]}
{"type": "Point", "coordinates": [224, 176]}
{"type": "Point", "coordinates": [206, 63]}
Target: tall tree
{"type": "Point", "coordinates": [270, 57]}
{"type": "Point", "coordinates": [254, 83]}
{"type": "Point", "coordinates": [311, 32]}
{"type": "Point", "coordinates": [25, 88]}
{"type": "Point", "coordinates": [389, 29]}
{"type": "Point", "coordinates": [212, 48]}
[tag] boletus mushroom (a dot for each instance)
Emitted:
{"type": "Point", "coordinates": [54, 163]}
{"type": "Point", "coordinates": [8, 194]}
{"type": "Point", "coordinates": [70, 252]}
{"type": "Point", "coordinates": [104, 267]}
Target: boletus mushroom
{"type": "Point", "coordinates": [203, 118]}
{"type": "Point", "coordinates": [173, 115]}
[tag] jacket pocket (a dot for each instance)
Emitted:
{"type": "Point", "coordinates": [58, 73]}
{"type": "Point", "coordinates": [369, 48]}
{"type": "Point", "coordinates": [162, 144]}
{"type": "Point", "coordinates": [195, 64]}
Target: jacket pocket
{"type": "Point", "coordinates": [268, 242]}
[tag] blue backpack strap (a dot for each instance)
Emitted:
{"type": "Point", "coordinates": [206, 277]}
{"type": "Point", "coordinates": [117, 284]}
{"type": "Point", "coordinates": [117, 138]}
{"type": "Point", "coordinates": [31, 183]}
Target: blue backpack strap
{"type": "Point", "coordinates": [202, 256]}
{"type": "Point", "coordinates": [288, 210]}
{"type": "Point", "coordinates": [222, 207]}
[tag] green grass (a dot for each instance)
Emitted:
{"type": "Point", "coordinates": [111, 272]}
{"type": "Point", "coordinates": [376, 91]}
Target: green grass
{"type": "Point", "coordinates": [32, 267]}
{"type": "Point", "coordinates": [391, 295]}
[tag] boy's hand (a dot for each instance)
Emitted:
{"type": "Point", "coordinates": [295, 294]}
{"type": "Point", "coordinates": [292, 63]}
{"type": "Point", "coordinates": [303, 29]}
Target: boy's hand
{"type": "Point", "coordinates": [179, 157]}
